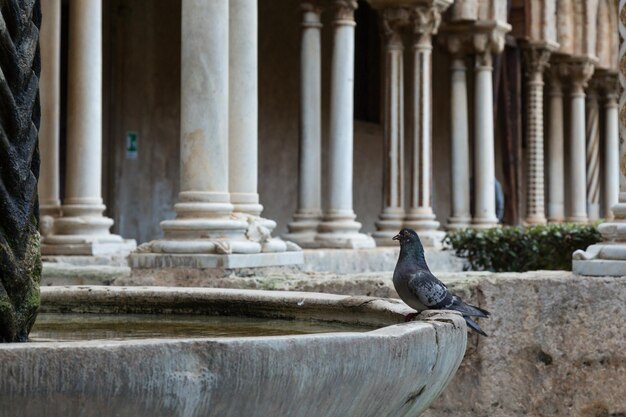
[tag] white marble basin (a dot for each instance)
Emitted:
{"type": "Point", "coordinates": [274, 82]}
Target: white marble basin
{"type": "Point", "coordinates": [397, 369]}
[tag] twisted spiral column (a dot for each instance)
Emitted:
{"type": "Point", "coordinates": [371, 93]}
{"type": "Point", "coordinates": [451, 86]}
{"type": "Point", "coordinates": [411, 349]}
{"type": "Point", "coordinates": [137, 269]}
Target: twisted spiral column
{"type": "Point", "coordinates": [593, 155]}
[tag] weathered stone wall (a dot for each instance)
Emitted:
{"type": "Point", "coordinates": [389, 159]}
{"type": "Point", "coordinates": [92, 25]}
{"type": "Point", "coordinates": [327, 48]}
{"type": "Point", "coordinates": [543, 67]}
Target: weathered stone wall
{"type": "Point", "coordinates": [556, 348]}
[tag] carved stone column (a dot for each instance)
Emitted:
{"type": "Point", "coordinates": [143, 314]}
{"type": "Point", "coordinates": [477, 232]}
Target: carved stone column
{"type": "Point", "coordinates": [243, 106]}
{"type": "Point", "coordinates": [579, 72]}
{"type": "Point", "coordinates": [49, 91]}
{"type": "Point", "coordinates": [610, 88]}
{"type": "Point", "coordinates": [392, 215]}
{"type": "Point", "coordinates": [83, 230]}
{"type": "Point", "coordinates": [609, 257]}
{"type": "Point", "coordinates": [206, 229]}
{"type": "Point", "coordinates": [536, 59]}
{"type": "Point", "coordinates": [459, 45]}
{"type": "Point", "coordinates": [556, 152]}
{"type": "Point", "coordinates": [339, 228]}
{"type": "Point", "coordinates": [488, 41]}
{"type": "Point", "coordinates": [308, 215]}
{"type": "Point", "coordinates": [593, 154]}
{"type": "Point", "coordinates": [425, 20]}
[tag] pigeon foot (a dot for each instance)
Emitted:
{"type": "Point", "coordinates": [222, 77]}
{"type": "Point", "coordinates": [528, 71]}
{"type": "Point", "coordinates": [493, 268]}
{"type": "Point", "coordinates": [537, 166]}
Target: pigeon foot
{"type": "Point", "coordinates": [410, 317]}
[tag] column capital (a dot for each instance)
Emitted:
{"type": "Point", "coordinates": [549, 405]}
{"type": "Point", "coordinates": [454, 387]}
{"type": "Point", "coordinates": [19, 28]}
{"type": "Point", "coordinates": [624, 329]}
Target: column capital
{"type": "Point", "coordinates": [344, 11]}
{"type": "Point", "coordinates": [537, 58]}
{"type": "Point", "coordinates": [608, 83]}
{"type": "Point", "coordinates": [425, 21]}
{"type": "Point", "coordinates": [393, 20]}
{"type": "Point", "coordinates": [311, 10]}
{"type": "Point", "coordinates": [578, 71]}
{"type": "Point", "coordinates": [482, 37]}
{"type": "Point", "coordinates": [313, 6]}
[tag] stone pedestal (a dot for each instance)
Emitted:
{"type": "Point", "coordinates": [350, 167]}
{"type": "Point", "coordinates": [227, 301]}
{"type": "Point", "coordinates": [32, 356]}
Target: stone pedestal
{"type": "Point", "coordinates": [536, 60]}
{"type": "Point", "coordinates": [83, 230]}
{"type": "Point", "coordinates": [393, 20]}
{"type": "Point", "coordinates": [609, 257]}
{"type": "Point", "coordinates": [339, 228]}
{"type": "Point", "coordinates": [425, 21]}
{"type": "Point", "coordinates": [303, 228]}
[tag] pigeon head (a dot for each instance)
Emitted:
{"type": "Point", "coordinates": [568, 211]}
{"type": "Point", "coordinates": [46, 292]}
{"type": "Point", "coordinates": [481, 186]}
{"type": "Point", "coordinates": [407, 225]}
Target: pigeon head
{"type": "Point", "coordinates": [408, 237]}
{"type": "Point", "coordinates": [411, 248]}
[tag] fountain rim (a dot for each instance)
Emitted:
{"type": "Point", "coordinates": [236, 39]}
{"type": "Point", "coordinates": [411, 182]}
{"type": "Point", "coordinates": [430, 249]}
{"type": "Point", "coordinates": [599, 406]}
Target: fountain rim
{"type": "Point", "coordinates": [386, 316]}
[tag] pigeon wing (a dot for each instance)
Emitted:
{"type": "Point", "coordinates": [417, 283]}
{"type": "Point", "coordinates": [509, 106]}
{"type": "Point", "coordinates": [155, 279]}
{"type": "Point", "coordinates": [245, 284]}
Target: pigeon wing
{"type": "Point", "coordinates": [429, 290]}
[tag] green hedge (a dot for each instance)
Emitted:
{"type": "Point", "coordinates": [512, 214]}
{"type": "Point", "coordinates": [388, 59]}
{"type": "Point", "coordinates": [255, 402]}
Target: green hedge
{"type": "Point", "coordinates": [519, 249]}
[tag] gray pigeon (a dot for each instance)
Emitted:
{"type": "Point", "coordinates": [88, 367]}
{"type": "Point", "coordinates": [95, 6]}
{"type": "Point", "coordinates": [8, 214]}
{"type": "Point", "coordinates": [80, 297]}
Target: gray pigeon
{"type": "Point", "coordinates": [420, 289]}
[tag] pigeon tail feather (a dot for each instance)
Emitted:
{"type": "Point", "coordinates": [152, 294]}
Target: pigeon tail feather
{"type": "Point", "coordinates": [474, 326]}
{"type": "Point", "coordinates": [468, 309]}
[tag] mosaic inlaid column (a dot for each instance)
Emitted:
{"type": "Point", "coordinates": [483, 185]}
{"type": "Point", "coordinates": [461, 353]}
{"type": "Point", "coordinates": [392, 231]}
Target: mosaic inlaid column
{"type": "Point", "coordinates": [392, 215]}
{"type": "Point", "coordinates": [593, 154]}
{"type": "Point", "coordinates": [308, 215]}
{"type": "Point", "coordinates": [83, 230]}
{"type": "Point", "coordinates": [609, 257]}
{"type": "Point", "coordinates": [339, 228]}
{"type": "Point", "coordinates": [420, 216]}
{"type": "Point", "coordinates": [536, 59]}
{"type": "Point", "coordinates": [556, 151]}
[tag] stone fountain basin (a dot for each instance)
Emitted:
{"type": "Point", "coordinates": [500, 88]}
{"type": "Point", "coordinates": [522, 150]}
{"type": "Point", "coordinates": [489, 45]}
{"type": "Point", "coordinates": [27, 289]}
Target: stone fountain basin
{"type": "Point", "coordinates": [398, 369]}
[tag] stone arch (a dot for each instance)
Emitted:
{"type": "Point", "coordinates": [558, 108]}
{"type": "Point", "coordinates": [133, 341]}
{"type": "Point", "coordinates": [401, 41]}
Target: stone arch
{"type": "Point", "coordinates": [607, 41]}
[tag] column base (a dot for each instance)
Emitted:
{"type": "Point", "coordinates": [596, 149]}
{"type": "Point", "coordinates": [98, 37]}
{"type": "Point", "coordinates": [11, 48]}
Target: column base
{"type": "Point", "coordinates": [432, 238]}
{"type": "Point", "coordinates": [67, 245]}
{"type": "Point", "coordinates": [84, 231]}
{"type": "Point", "coordinates": [578, 219]}
{"type": "Point", "coordinates": [593, 212]}
{"type": "Point", "coordinates": [239, 234]}
{"type": "Point", "coordinates": [485, 222]}
{"type": "Point", "coordinates": [339, 230]}
{"type": "Point", "coordinates": [421, 219]}
{"type": "Point", "coordinates": [535, 220]}
{"type": "Point", "coordinates": [602, 259]}
{"type": "Point", "coordinates": [303, 228]}
{"type": "Point", "coordinates": [556, 220]}
{"type": "Point", "coordinates": [389, 225]}
{"type": "Point", "coordinates": [53, 210]}
{"type": "Point", "coordinates": [458, 223]}
{"type": "Point", "coordinates": [556, 213]}
{"type": "Point", "coordinates": [247, 203]}
{"type": "Point", "coordinates": [47, 214]}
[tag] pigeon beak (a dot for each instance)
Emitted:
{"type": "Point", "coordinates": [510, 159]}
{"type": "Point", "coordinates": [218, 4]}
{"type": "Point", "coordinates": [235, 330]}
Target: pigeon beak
{"type": "Point", "coordinates": [397, 237]}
